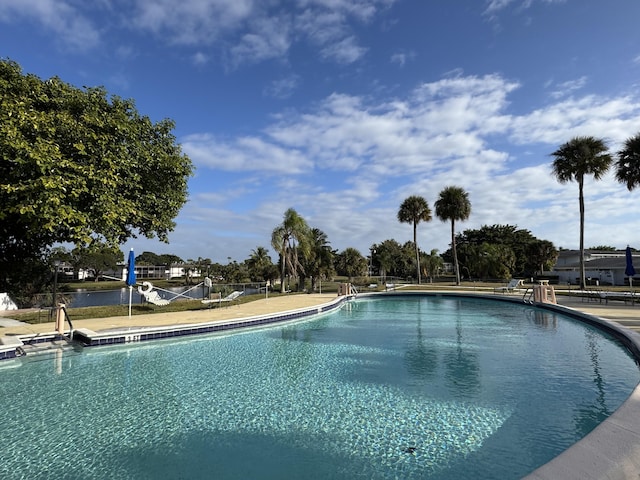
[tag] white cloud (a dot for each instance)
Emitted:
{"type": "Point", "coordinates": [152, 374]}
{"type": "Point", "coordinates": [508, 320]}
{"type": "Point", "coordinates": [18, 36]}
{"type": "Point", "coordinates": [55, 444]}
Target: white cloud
{"type": "Point", "coordinates": [567, 88]}
{"type": "Point", "coordinates": [494, 6]}
{"type": "Point", "coordinates": [345, 51]}
{"type": "Point", "coordinates": [243, 154]}
{"type": "Point", "coordinates": [252, 31]}
{"type": "Point", "coordinates": [200, 58]}
{"type": "Point", "coordinates": [242, 31]}
{"type": "Point", "coordinates": [192, 22]}
{"type": "Point", "coordinates": [73, 29]}
{"type": "Point", "coordinates": [269, 38]}
{"type": "Point", "coordinates": [613, 119]}
{"type": "Point", "coordinates": [282, 88]}
{"type": "Point", "coordinates": [401, 58]}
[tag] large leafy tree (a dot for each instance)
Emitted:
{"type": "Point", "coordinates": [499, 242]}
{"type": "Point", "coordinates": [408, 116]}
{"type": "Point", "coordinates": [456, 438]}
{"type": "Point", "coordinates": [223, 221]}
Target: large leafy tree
{"type": "Point", "coordinates": [393, 259]}
{"type": "Point", "coordinates": [453, 204]}
{"type": "Point", "coordinates": [291, 239]}
{"type": "Point", "coordinates": [413, 210]}
{"type": "Point", "coordinates": [628, 163]}
{"type": "Point", "coordinates": [490, 260]}
{"type": "Point", "coordinates": [77, 165]}
{"type": "Point", "coordinates": [530, 252]}
{"type": "Point", "coordinates": [97, 257]}
{"type": "Point", "coordinates": [574, 160]}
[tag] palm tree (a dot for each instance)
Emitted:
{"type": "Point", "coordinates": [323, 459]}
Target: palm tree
{"type": "Point", "coordinates": [578, 157]}
{"type": "Point", "coordinates": [433, 263]}
{"type": "Point", "coordinates": [628, 164]}
{"type": "Point", "coordinates": [351, 263]}
{"type": "Point", "coordinates": [258, 263]}
{"type": "Point", "coordinates": [453, 204]}
{"type": "Point", "coordinates": [414, 210]}
{"type": "Point", "coordinates": [320, 261]}
{"type": "Point", "coordinates": [289, 239]}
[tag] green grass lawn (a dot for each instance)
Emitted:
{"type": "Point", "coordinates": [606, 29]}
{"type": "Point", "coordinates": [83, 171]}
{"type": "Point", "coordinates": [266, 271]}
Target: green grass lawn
{"type": "Point", "coordinates": [83, 313]}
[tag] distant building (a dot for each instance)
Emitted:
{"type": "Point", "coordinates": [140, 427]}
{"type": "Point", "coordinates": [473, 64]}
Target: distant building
{"type": "Point", "coordinates": [601, 267]}
{"type": "Point", "coordinates": [161, 271]}
{"type": "Point", "coordinates": [67, 273]}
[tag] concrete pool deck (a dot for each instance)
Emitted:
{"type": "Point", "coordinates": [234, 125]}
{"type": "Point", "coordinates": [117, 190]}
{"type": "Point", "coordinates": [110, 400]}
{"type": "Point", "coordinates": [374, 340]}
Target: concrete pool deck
{"type": "Point", "coordinates": [264, 306]}
{"type": "Point", "coordinates": [611, 451]}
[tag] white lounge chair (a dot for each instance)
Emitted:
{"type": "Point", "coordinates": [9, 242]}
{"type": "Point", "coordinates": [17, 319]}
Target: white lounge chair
{"type": "Point", "coordinates": [512, 286]}
{"type": "Point", "coordinates": [151, 295]}
{"type": "Point", "coordinates": [155, 298]}
{"type": "Point", "coordinates": [229, 298]}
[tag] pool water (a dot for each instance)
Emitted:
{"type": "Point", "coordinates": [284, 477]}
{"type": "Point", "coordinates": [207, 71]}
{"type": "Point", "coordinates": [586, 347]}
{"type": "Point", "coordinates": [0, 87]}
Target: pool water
{"type": "Point", "coordinates": [410, 387]}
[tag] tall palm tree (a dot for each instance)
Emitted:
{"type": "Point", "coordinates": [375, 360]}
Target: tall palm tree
{"type": "Point", "coordinates": [414, 210]}
{"type": "Point", "coordinates": [628, 163]}
{"type": "Point", "coordinates": [288, 239]}
{"type": "Point", "coordinates": [578, 157]}
{"type": "Point", "coordinates": [453, 204]}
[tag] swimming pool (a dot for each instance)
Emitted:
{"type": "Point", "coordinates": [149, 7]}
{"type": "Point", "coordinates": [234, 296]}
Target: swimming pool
{"type": "Point", "coordinates": [409, 387]}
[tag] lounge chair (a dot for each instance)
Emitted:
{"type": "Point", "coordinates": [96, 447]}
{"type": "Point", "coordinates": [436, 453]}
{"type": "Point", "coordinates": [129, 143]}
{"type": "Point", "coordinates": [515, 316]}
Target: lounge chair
{"type": "Point", "coordinates": [155, 298]}
{"type": "Point", "coordinates": [625, 297]}
{"type": "Point", "coordinates": [151, 295]}
{"type": "Point", "coordinates": [229, 298]}
{"type": "Point", "coordinates": [510, 287]}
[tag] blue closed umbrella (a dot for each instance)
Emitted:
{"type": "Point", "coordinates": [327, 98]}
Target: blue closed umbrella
{"type": "Point", "coordinates": [131, 275]}
{"type": "Point", "coordinates": [629, 271]}
{"type": "Point", "coordinates": [131, 269]}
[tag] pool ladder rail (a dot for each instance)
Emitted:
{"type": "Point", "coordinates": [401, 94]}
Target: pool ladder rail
{"type": "Point", "coordinates": [34, 344]}
{"type": "Point", "coordinates": [347, 290]}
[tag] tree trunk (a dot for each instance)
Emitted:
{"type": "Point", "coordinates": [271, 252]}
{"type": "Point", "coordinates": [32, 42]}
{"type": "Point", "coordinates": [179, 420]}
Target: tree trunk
{"type": "Point", "coordinates": [415, 243]}
{"type": "Point", "coordinates": [455, 253]}
{"type": "Point", "coordinates": [582, 268]}
{"type": "Point", "coordinates": [282, 270]}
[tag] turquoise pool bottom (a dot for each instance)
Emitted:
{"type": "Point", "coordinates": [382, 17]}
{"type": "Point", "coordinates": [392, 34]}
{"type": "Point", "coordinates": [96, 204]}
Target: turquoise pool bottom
{"type": "Point", "coordinates": [382, 389]}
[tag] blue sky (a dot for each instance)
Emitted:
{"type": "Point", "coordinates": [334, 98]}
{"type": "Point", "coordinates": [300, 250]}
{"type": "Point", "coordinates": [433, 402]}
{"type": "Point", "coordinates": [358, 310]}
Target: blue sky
{"type": "Point", "coordinates": [343, 108]}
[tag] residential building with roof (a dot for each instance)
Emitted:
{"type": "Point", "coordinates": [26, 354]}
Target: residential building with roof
{"type": "Point", "coordinates": [602, 267]}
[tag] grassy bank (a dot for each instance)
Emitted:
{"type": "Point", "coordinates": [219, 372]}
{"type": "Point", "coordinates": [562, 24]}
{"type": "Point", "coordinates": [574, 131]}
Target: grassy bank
{"type": "Point", "coordinates": [105, 311]}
